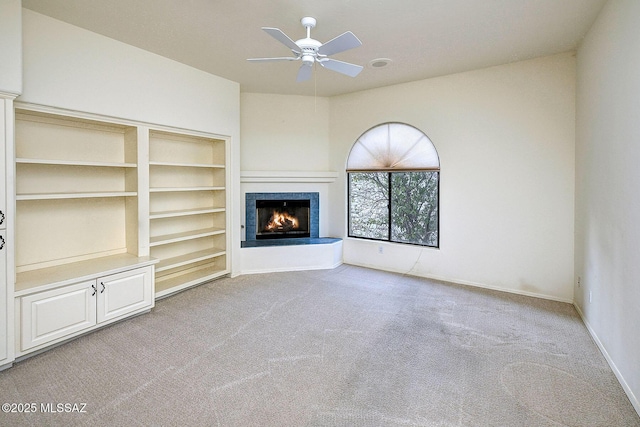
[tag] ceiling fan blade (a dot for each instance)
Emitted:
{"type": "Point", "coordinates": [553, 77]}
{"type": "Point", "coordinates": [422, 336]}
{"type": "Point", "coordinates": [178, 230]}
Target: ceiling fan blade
{"type": "Point", "coordinates": [350, 70]}
{"type": "Point", "coordinates": [339, 44]}
{"type": "Point", "coordinates": [282, 38]}
{"type": "Point", "coordinates": [286, 58]}
{"type": "Point", "coordinates": [304, 73]}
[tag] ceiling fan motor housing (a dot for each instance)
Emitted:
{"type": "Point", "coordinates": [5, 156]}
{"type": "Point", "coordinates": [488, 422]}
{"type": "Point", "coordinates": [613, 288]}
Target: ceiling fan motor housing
{"type": "Point", "coordinates": [309, 49]}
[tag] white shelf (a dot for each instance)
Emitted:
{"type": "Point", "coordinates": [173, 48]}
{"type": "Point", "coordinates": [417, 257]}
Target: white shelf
{"type": "Point", "coordinates": [191, 258]}
{"type": "Point", "coordinates": [188, 165]}
{"type": "Point", "coordinates": [166, 287]}
{"type": "Point", "coordinates": [184, 212]}
{"type": "Point", "coordinates": [74, 163]}
{"type": "Point", "coordinates": [59, 196]}
{"type": "Point", "coordinates": [181, 189]}
{"type": "Point", "coordinates": [188, 235]}
{"type": "Point", "coordinates": [51, 277]}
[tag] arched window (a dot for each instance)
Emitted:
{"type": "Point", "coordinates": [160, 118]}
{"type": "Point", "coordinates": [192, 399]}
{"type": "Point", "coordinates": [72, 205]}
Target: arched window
{"type": "Point", "coordinates": [394, 182]}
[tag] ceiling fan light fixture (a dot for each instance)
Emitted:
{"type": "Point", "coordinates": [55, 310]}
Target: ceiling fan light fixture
{"type": "Point", "coordinates": [379, 62]}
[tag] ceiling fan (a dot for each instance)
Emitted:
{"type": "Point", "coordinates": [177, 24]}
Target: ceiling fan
{"type": "Point", "coordinates": [311, 51]}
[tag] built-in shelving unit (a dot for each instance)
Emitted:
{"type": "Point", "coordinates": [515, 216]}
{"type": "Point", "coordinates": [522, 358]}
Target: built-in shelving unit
{"type": "Point", "coordinates": [110, 214]}
{"type": "Point", "coordinates": [79, 263]}
{"type": "Point", "coordinates": [76, 190]}
{"type": "Point", "coordinates": [188, 184]}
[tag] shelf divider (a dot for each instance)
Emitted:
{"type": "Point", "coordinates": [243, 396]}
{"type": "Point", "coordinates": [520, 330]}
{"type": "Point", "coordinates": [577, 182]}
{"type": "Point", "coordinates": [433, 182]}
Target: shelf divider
{"type": "Point", "coordinates": [187, 235]}
{"type": "Point", "coordinates": [58, 196]}
{"type": "Point", "coordinates": [180, 189]}
{"type": "Point", "coordinates": [188, 165]}
{"type": "Point", "coordinates": [191, 258]}
{"type": "Point", "coordinates": [74, 163]}
{"type": "Point", "coordinates": [184, 212]}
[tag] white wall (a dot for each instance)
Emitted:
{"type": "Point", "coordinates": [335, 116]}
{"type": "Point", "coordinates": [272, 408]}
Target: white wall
{"type": "Point", "coordinates": [285, 148]}
{"type": "Point", "coordinates": [505, 136]}
{"type": "Point", "coordinates": [284, 133]}
{"type": "Point", "coordinates": [69, 67]}
{"type": "Point", "coordinates": [607, 258]}
{"type": "Point", "coordinates": [10, 46]}
{"type": "Point", "coordinates": [287, 136]}
{"type": "Point", "coordinates": [72, 68]}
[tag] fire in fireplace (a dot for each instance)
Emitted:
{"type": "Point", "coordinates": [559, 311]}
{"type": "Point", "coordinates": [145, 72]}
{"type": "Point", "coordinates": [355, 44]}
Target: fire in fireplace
{"type": "Point", "coordinates": [278, 219]}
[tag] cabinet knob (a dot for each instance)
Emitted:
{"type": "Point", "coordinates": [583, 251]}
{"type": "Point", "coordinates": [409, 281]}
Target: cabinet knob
{"type": "Point", "coordinates": [102, 290]}
{"type": "Point", "coordinates": [94, 290]}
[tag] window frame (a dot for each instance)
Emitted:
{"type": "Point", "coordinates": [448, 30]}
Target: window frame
{"type": "Point", "coordinates": [389, 217]}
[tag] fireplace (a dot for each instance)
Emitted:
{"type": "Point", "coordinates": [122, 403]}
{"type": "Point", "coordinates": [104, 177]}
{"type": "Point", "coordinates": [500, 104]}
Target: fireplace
{"type": "Point", "coordinates": [281, 216]}
{"type": "Point", "coordinates": [282, 219]}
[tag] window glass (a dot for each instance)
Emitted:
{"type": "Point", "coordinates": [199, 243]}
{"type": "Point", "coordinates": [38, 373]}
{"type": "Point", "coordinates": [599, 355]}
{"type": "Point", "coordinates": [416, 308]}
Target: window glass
{"type": "Point", "coordinates": [414, 207]}
{"type": "Point", "coordinates": [369, 205]}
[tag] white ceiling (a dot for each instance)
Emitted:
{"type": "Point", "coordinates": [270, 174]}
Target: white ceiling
{"type": "Point", "coordinates": [423, 38]}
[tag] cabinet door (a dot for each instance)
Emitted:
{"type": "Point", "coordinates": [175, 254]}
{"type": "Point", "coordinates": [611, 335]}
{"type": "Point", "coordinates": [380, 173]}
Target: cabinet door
{"type": "Point", "coordinates": [3, 144]}
{"type": "Point", "coordinates": [124, 293]}
{"type": "Point", "coordinates": [47, 316]}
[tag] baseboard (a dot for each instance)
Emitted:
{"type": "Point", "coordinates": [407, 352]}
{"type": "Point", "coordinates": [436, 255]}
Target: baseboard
{"type": "Point", "coordinates": [496, 288]}
{"type": "Point", "coordinates": [467, 283]}
{"type": "Point", "coordinates": [632, 398]}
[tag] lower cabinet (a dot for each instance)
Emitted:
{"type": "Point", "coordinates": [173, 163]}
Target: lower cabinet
{"type": "Point", "coordinates": [61, 313]}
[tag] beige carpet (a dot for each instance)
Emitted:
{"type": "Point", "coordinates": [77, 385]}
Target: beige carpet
{"type": "Point", "coordinates": [343, 347]}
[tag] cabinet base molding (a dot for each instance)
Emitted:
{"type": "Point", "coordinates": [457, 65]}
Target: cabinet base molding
{"type": "Point", "coordinates": [20, 356]}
